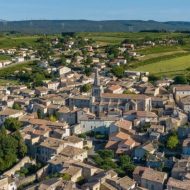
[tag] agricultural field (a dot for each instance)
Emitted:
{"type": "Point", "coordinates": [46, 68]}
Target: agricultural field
{"type": "Point", "coordinates": [11, 42]}
{"type": "Point", "coordinates": [171, 67]}
{"type": "Point", "coordinates": [161, 49]}
{"type": "Point", "coordinates": [14, 41]}
{"type": "Point", "coordinates": [7, 72]}
{"type": "Point", "coordinates": [159, 60]}
{"type": "Point", "coordinates": [168, 60]}
{"type": "Point", "coordinates": [105, 38]}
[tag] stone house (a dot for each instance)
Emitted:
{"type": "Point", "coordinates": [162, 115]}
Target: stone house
{"type": "Point", "coordinates": [186, 147]}
{"type": "Point", "coordinates": [153, 180]}
{"type": "Point", "coordinates": [9, 113]}
{"type": "Point", "coordinates": [74, 153]}
{"type": "Point", "coordinates": [175, 184]}
{"type": "Point", "coordinates": [48, 148]}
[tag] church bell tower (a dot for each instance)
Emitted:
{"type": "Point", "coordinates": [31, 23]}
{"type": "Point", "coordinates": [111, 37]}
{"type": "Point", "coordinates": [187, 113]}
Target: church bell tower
{"type": "Point", "coordinates": [97, 89]}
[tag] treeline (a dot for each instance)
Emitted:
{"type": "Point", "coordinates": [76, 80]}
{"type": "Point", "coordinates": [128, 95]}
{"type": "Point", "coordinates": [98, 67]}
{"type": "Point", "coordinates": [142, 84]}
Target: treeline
{"type": "Point", "coordinates": [154, 31]}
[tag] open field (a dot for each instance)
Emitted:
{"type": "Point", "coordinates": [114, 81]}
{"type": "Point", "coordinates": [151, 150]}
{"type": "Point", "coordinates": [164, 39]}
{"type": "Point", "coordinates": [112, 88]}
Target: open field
{"type": "Point", "coordinates": [159, 60]}
{"type": "Point", "coordinates": [15, 41]}
{"type": "Point", "coordinates": [160, 49]}
{"type": "Point", "coordinates": [7, 72]}
{"type": "Point", "coordinates": [105, 38]}
{"type": "Point", "coordinates": [167, 60]}
{"type": "Point", "coordinates": [160, 55]}
{"type": "Point", "coordinates": [11, 42]}
{"type": "Point", "coordinates": [169, 67]}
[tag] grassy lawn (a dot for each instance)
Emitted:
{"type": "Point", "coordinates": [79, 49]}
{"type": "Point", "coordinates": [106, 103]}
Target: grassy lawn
{"type": "Point", "coordinates": [169, 67]}
{"type": "Point", "coordinates": [4, 57]}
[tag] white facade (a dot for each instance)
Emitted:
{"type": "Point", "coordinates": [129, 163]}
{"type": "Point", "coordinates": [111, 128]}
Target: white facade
{"type": "Point", "coordinates": [101, 126]}
{"type": "Point", "coordinates": [64, 70]}
{"type": "Point", "coordinates": [19, 59]}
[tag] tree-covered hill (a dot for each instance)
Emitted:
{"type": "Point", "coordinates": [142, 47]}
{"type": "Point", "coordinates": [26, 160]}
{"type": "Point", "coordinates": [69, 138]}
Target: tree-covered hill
{"type": "Point", "coordinates": [58, 26]}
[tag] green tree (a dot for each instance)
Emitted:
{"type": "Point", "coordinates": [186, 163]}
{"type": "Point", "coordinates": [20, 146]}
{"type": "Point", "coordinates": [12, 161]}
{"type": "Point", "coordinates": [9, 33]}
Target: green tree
{"type": "Point", "coordinates": [112, 51]}
{"type": "Point", "coordinates": [89, 60]}
{"type": "Point", "coordinates": [109, 164]}
{"type": "Point", "coordinates": [104, 159]}
{"type": "Point", "coordinates": [86, 88]}
{"type": "Point", "coordinates": [181, 41]}
{"type": "Point", "coordinates": [12, 124]}
{"type": "Point", "coordinates": [88, 71]}
{"type": "Point", "coordinates": [180, 80]}
{"type": "Point", "coordinates": [128, 92]}
{"type": "Point", "coordinates": [38, 79]}
{"type": "Point", "coordinates": [118, 71]}
{"type": "Point", "coordinates": [22, 148]}
{"type": "Point", "coordinates": [10, 149]}
{"type": "Point", "coordinates": [106, 153]}
{"type": "Point", "coordinates": [153, 78]}
{"type": "Point", "coordinates": [52, 118]}
{"type": "Point", "coordinates": [24, 76]}
{"type": "Point", "coordinates": [66, 177]}
{"type": "Point", "coordinates": [63, 60]}
{"type": "Point", "coordinates": [126, 164]}
{"type": "Point", "coordinates": [17, 106]}
{"type": "Point", "coordinates": [172, 142]}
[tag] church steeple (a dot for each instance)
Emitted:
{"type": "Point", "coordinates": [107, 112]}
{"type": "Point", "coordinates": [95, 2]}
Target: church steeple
{"type": "Point", "coordinates": [97, 78]}
{"type": "Point", "coordinates": [97, 89]}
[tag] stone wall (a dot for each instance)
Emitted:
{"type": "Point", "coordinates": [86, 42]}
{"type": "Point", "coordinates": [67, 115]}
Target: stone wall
{"type": "Point", "coordinates": [18, 166]}
{"type": "Point", "coordinates": [27, 180]}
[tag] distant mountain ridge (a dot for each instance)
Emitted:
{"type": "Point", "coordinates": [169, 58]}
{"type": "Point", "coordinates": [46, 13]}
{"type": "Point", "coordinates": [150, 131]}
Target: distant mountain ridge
{"type": "Point", "coordinates": [58, 26]}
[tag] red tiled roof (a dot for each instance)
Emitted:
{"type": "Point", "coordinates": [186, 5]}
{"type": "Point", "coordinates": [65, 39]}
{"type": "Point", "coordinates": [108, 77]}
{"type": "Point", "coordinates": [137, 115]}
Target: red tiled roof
{"type": "Point", "coordinates": [124, 124]}
{"type": "Point", "coordinates": [182, 88]}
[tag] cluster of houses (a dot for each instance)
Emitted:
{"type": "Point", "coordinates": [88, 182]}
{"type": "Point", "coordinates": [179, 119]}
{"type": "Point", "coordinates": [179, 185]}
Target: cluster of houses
{"type": "Point", "coordinates": [18, 55]}
{"type": "Point", "coordinates": [136, 116]}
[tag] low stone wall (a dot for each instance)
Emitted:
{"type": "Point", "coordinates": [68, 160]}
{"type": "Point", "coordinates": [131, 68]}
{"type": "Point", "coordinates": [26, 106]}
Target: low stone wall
{"type": "Point", "coordinates": [42, 172]}
{"type": "Point", "coordinates": [18, 166]}
{"type": "Point", "coordinates": [27, 180]}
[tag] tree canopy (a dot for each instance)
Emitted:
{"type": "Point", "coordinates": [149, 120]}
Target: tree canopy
{"type": "Point", "coordinates": [12, 124]}
{"type": "Point", "coordinates": [172, 142]}
{"type": "Point", "coordinates": [118, 71]}
{"type": "Point", "coordinates": [86, 88]}
{"type": "Point", "coordinates": [17, 106]}
{"type": "Point", "coordinates": [180, 80]}
{"type": "Point", "coordinates": [12, 148]}
{"type": "Point", "coordinates": [105, 160]}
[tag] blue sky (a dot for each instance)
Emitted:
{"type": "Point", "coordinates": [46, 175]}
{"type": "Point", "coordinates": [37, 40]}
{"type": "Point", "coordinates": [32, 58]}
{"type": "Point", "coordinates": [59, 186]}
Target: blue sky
{"type": "Point", "coordinates": [160, 10]}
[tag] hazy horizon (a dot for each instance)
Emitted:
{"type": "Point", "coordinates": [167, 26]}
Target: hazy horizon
{"type": "Point", "coordinates": [2, 20]}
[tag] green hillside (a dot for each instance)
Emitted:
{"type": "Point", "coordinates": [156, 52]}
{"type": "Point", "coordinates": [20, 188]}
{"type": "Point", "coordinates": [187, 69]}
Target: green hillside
{"type": "Point", "coordinates": [170, 67]}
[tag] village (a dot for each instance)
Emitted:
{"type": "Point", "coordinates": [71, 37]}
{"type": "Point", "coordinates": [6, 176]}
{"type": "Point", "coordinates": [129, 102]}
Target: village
{"type": "Point", "coordinates": [85, 120]}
